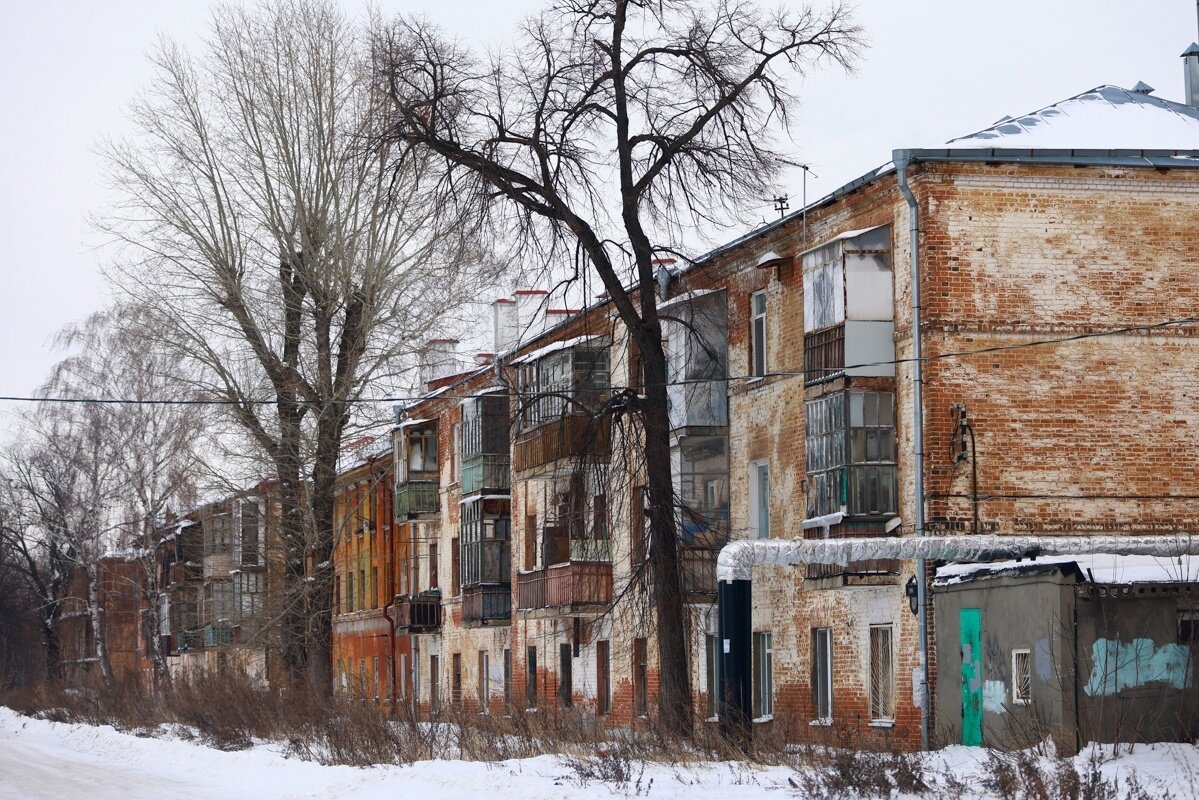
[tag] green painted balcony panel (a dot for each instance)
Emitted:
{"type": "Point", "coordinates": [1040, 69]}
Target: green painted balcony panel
{"type": "Point", "coordinates": [486, 472]}
{"type": "Point", "coordinates": [416, 497]}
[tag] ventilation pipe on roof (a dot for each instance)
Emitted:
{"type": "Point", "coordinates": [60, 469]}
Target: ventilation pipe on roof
{"type": "Point", "coordinates": [1190, 72]}
{"type": "Point", "coordinates": [505, 324]}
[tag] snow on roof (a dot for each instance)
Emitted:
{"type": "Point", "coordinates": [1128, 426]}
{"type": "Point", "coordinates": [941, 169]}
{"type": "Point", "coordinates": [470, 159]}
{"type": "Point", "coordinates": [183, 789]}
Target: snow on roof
{"type": "Point", "coordinates": [1099, 568]}
{"type": "Point", "coordinates": [1104, 118]}
{"type": "Point", "coordinates": [488, 390]}
{"type": "Point", "coordinates": [553, 347]}
{"type": "Point", "coordinates": [687, 297]}
{"type": "Point", "coordinates": [409, 423]}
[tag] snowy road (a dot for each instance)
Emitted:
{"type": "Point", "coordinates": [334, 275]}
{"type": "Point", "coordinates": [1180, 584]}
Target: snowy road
{"type": "Point", "coordinates": [42, 760]}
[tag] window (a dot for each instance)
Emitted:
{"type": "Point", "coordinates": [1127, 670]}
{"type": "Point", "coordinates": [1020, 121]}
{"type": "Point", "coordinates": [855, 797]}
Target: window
{"type": "Point", "coordinates": [337, 606]}
{"type": "Point", "coordinates": [422, 450]}
{"type": "Point", "coordinates": [484, 677]}
{"type": "Point", "coordinates": [640, 678]}
{"type": "Point", "coordinates": [712, 652]}
{"type": "Point", "coordinates": [850, 452]}
{"type": "Point", "coordinates": [1021, 677]}
{"type": "Point", "coordinates": [362, 589]}
{"type": "Point", "coordinates": [375, 677]}
{"type": "Point", "coordinates": [824, 287]}
{"type": "Point", "coordinates": [637, 525]}
{"type": "Point", "coordinates": [391, 678]}
{"type": "Point", "coordinates": [507, 676]}
{"type": "Point", "coordinates": [531, 677]}
{"type": "Point", "coordinates": [455, 569]}
{"type": "Point", "coordinates": [251, 540]}
{"type": "Point", "coordinates": [248, 594]}
{"type": "Point", "coordinates": [434, 681]}
{"type": "Point", "coordinates": [759, 500]}
{"type": "Point", "coordinates": [599, 516]}
{"type": "Point", "coordinates": [1188, 626]}
{"type": "Point", "coordinates": [603, 678]}
{"type": "Point", "coordinates": [565, 679]}
{"type": "Point", "coordinates": [757, 333]}
{"type": "Point", "coordinates": [374, 587]}
{"type": "Point", "coordinates": [763, 655]}
{"type": "Point", "coordinates": [456, 467]}
{"type": "Point", "coordinates": [822, 673]}
{"type": "Point", "coordinates": [433, 566]}
{"type": "Point", "coordinates": [403, 681]}
{"type": "Point", "coordinates": [882, 674]}
{"type": "Point", "coordinates": [456, 679]}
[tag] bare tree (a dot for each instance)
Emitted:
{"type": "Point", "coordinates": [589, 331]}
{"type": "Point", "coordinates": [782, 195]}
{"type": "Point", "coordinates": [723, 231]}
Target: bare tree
{"type": "Point", "coordinates": [150, 438]}
{"type": "Point", "coordinates": [60, 487]}
{"type": "Point", "coordinates": [611, 126]}
{"type": "Point", "coordinates": [295, 270]}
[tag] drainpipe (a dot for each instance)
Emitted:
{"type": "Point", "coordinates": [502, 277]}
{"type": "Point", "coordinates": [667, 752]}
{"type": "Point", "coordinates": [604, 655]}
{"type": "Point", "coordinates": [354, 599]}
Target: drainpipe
{"type": "Point", "coordinates": [902, 159]}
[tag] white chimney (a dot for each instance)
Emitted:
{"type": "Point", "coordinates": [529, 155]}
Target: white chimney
{"type": "Point", "coordinates": [530, 314]}
{"type": "Point", "coordinates": [505, 327]}
{"type": "Point", "coordinates": [439, 359]}
{"type": "Point", "coordinates": [1190, 72]}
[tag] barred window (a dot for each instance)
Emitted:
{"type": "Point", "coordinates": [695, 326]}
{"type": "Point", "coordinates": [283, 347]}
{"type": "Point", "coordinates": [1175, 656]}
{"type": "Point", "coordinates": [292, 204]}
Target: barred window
{"type": "Point", "coordinates": [882, 674]}
{"type": "Point", "coordinates": [1021, 677]}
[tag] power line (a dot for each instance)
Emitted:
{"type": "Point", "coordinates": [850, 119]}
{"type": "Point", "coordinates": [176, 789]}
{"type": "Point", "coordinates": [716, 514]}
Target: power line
{"type": "Point", "coordinates": [683, 382]}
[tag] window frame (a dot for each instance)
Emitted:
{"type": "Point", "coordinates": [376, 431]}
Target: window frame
{"type": "Point", "coordinates": [876, 698]}
{"type": "Point", "coordinates": [759, 345]}
{"type": "Point", "coordinates": [763, 675]}
{"type": "Point", "coordinates": [1022, 698]}
{"type": "Point", "coordinates": [759, 499]}
{"type": "Point", "coordinates": [822, 661]}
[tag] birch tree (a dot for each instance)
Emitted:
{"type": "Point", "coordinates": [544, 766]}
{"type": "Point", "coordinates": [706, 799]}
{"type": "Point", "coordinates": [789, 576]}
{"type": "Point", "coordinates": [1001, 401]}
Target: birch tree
{"type": "Point", "coordinates": [610, 128]}
{"type": "Point", "coordinates": [296, 272]}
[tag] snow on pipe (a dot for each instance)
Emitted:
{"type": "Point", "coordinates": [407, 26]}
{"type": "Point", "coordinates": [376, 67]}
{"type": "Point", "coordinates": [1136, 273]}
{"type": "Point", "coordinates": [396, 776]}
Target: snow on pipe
{"type": "Point", "coordinates": [737, 559]}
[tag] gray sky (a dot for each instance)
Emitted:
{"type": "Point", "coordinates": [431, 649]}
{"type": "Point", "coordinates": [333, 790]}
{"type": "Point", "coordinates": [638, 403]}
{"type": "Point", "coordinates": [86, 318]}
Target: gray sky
{"type": "Point", "coordinates": [935, 69]}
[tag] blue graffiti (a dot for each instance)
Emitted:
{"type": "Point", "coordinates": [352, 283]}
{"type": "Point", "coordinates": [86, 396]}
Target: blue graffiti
{"type": "Point", "coordinates": [1118, 665]}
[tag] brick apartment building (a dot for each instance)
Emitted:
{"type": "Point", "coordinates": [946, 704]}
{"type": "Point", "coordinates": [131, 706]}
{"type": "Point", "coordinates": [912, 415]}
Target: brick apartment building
{"type": "Point", "coordinates": [1057, 262]}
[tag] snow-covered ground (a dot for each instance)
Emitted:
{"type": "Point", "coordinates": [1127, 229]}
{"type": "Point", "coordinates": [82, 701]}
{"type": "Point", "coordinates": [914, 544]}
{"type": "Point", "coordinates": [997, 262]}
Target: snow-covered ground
{"type": "Point", "coordinates": [41, 759]}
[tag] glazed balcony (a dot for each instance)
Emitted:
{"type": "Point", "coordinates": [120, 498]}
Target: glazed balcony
{"type": "Point", "coordinates": [487, 604]}
{"type": "Point", "coordinates": [416, 497]}
{"type": "Point", "coordinates": [419, 614]}
{"type": "Point", "coordinates": [183, 571]}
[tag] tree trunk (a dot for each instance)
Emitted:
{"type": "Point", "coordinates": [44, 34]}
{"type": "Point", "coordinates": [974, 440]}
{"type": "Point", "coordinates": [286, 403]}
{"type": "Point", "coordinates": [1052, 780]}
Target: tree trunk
{"type": "Point", "coordinates": [52, 648]}
{"type": "Point", "coordinates": [293, 531]}
{"type": "Point", "coordinates": [320, 588]}
{"type": "Point", "coordinates": [99, 632]}
{"type": "Point", "coordinates": [674, 674]}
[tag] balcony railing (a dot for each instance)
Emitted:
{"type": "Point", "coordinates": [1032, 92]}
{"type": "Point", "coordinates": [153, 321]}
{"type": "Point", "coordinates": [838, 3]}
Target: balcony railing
{"type": "Point", "coordinates": [565, 437]}
{"type": "Point", "coordinates": [416, 497]}
{"type": "Point", "coordinates": [699, 572]}
{"type": "Point", "coordinates": [487, 603]}
{"type": "Point", "coordinates": [182, 571]}
{"type": "Point", "coordinates": [420, 614]}
{"type": "Point", "coordinates": [486, 472]}
{"type": "Point", "coordinates": [189, 640]}
{"type": "Point", "coordinates": [569, 586]}
{"type": "Point", "coordinates": [215, 636]}
{"type": "Point", "coordinates": [824, 354]}
{"type": "Point", "coordinates": [871, 566]}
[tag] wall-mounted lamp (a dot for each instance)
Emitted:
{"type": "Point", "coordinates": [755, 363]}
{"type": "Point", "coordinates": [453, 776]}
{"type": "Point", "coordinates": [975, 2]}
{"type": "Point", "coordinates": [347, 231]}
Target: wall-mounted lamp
{"type": "Point", "coordinates": [912, 592]}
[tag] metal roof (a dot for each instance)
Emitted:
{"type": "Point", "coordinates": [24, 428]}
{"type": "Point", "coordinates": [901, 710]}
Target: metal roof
{"type": "Point", "coordinates": [1106, 117]}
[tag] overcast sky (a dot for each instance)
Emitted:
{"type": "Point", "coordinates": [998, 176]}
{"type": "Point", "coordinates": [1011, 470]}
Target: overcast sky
{"type": "Point", "coordinates": [935, 69]}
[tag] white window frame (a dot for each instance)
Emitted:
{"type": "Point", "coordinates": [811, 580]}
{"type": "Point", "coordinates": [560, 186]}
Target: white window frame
{"type": "Point", "coordinates": [763, 675]}
{"type": "Point", "coordinates": [827, 635]}
{"type": "Point", "coordinates": [758, 335]}
{"type": "Point", "coordinates": [890, 631]}
{"type": "Point", "coordinates": [1021, 698]}
{"type": "Point", "coordinates": [759, 499]}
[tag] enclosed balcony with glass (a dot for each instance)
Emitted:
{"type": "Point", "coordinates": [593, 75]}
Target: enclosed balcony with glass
{"type": "Point", "coordinates": [575, 572]}
{"type": "Point", "coordinates": [485, 556]}
{"type": "Point", "coordinates": [484, 444]}
{"type": "Point", "coordinates": [850, 446]}
{"type": "Point", "coordinates": [560, 388]}
{"type": "Point", "coordinates": [416, 468]}
{"type": "Point", "coordinates": [849, 316]}
{"type": "Point", "coordinates": [695, 338]}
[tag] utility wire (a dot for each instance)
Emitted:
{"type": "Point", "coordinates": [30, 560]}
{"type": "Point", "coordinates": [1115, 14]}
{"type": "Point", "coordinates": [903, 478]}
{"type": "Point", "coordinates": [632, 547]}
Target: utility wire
{"type": "Point", "coordinates": [683, 382]}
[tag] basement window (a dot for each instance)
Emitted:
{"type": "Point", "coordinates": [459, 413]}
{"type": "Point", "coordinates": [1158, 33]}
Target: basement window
{"type": "Point", "coordinates": [1021, 677]}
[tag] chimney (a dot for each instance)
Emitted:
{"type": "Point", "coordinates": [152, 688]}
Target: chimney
{"type": "Point", "coordinates": [505, 325]}
{"type": "Point", "coordinates": [439, 359]}
{"type": "Point", "coordinates": [1190, 72]}
{"type": "Point", "coordinates": [530, 319]}
{"type": "Point", "coordinates": [483, 359]}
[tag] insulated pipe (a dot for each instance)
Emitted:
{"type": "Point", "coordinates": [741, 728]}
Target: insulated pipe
{"type": "Point", "coordinates": [902, 158]}
{"type": "Point", "coordinates": [737, 559]}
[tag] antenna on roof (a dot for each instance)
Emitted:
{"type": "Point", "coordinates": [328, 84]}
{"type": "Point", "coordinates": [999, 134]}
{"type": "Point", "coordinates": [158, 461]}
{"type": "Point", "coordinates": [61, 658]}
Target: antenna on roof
{"type": "Point", "coordinates": [780, 205]}
{"type": "Point", "coordinates": [804, 200]}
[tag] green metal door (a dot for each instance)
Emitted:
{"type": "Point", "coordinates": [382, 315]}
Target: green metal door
{"type": "Point", "coordinates": [971, 625]}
